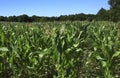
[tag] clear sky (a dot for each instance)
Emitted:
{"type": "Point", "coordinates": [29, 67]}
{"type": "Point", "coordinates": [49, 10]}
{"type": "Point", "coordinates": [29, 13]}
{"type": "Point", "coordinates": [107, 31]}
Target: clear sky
{"type": "Point", "coordinates": [50, 7]}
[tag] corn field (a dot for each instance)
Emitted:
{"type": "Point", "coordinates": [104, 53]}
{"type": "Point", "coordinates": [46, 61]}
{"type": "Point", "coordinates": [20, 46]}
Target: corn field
{"type": "Point", "coordinates": [60, 50]}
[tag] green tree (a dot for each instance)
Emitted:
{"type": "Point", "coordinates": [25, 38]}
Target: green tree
{"type": "Point", "coordinates": [12, 18]}
{"type": "Point", "coordinates": [102, 15]}
{"type": "Point", "coordinates": [114, 10]}
{"type": "Point", "coordinates": [1, 18]}
{"type": "Point", "coordinates": [23, 18]}
{"type": "Point", "coordinates": [35, 18]}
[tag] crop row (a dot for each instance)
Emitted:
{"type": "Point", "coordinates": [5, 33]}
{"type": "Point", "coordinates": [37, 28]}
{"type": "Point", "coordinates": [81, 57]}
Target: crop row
{"type": "Point", "coordinates": [60, 50]}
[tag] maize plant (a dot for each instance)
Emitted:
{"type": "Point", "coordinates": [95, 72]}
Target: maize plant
{"type": "Point", "coordinates": [60, 49]}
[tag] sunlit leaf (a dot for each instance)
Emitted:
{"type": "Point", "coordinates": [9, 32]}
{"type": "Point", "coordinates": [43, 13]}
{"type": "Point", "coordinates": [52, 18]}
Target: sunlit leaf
{"type": "Point", "coordinates": [4, 49]}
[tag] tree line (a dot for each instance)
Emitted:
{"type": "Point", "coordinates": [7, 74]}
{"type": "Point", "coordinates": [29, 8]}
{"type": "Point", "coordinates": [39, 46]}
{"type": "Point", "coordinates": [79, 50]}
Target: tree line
{"type": "Point", "coordinates": [113, 14]}
{"type": "Point", "coordinates": [34, 18]}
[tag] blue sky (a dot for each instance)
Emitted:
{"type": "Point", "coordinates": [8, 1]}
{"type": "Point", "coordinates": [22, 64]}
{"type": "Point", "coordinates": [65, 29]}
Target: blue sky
{"type": "Point", "coordinates": [50, 7]}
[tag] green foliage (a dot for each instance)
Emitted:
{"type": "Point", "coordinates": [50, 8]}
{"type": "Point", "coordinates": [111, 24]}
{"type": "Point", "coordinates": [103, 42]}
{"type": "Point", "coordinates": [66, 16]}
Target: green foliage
{"type": "Point", "coordinates": [22, 18]}
{"type": "Point", "coordinates": [60, 50]}
{"type": "Point", "coordinates": [114, 10]}
{"type": "Point", "coordinates": [102, 15]}
{"type": "Point", "coordinates": [1, 18]}
{"type": "Point", "coordinates": [114, 3]}
{"type": "Point", "coordinates": [34, 18]}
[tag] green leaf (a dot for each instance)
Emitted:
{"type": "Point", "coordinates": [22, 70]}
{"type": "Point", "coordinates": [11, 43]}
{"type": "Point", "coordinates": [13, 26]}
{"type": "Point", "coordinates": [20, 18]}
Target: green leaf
{"type": "Point", "coordinates": [116, 54]}
{"type": "Point", "coordinates": [104, 64]}
{"type": "Point", "coordinates": [95, 48]}
{"type": "Point", "coordinates": [78, 49]}
{"type": "Point", "coordinates": [76, 45]}
{"type": "Point", "coordinates": [99, 58]}
{"type": "Point", "coordinates": [4, 49]}
{"type": "Point", "coordinates": [42, 53]}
